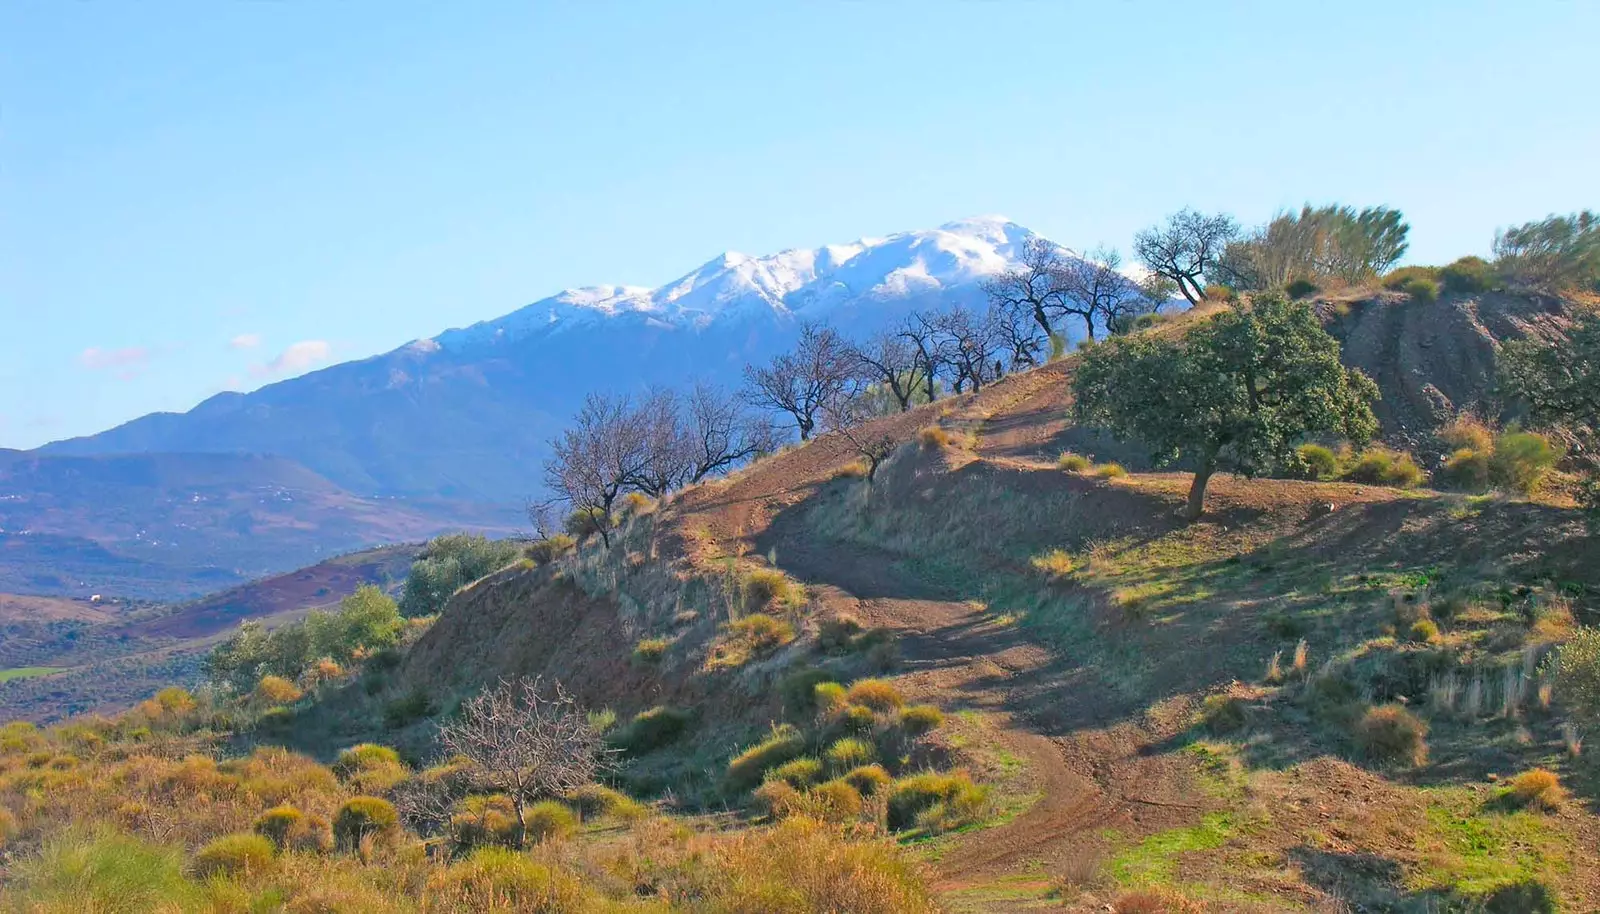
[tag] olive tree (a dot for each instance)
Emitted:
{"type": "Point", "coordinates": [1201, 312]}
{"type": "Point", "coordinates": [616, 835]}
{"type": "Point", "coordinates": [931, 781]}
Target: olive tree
{"type": "Point", "coordinates": [1237, 392]}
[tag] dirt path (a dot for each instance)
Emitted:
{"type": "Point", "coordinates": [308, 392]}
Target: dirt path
{"type": "Point", "coordinates": [956, 655]}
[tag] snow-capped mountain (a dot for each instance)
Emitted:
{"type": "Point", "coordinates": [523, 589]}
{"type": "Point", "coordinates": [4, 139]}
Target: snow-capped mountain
{"type": "Point", "coordinates": [467, 414]}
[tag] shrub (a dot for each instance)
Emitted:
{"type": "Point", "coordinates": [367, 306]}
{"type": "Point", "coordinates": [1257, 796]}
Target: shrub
{"type": "Point", "coordinates": [1424, 631]}
{"type": "Point", "coordinates": [484, 820]}
{"type": "Point", "coordinates": [800, 772]}
{"type": "Point", "coordinates": [760, 632]}
{"type": "Point", "coordinates": [780, 799]}
{"type": "Point", "coordinates": [849, 753]}
{"type": "Point", "coordinates": [415, 705]}
{"type": "Point", "coordinates": [1155, 901]}
{"type": "Point", "coordinates": [549, 820]}
{"type": "Point", "coordinates": [1575, 668]}
{"type": "Point", "coordinates": [497, 879]}
{"type": "Point", "coordinates": [595, 800]}
{"type": "Point", "coordinates": [1222, 714]}
{"type": "Point", "coordinates": [933, 436]}
{"type": "Point", "coordinates": [1466, 469]}
{"type": "Point", "coordinates": [1406, 279]}
{"type": "Point", "coordinates": [1301, 288]}
{"type": "Point", "coordinates": [868, 779]}
{"type": "Point", "coordinates": [363, 817]}
{"type": "Point", "coordinates": [877, 694]}
{"type": "Point", "coordinates": [829, 697]}
{"type": "Point", "coordinates": [836, 801]}
{"type": "Point", "coordinates": [782, 744]}
{"type": "Point", "coordinates": [799, 689]}
{"type": "Point", "coordinates": [1110, 470]}
{"type": "Point", "coordinates": [652, 729]}
{"type": "Point", "coordinates": [8, 826]}
{"type": "Point", "coordinates": [234, 855]}
{"type": "Point", "coordinates": [1057, 563]}
{"type": "Point", "coordinates": [1381, 466]}
{"type": "Point", "coordinates": [276, 690]}
{"type": "Point", "coordinates": [838, 633]}
{"type": "Point", "coordinates": [1467, 431]}
{"type": "Point", "coordinates": [650, 650]}
{"type": "Point", "coordinates": [105, 872]}
{"type": "Point", "coordinates": [919, 719]}
{"type": "Point", "coordinates": [1467, 276]}
{"type": "Point", "coordinates": [765, 587]}
{"type": "Point", "coordinates": [1538, 788]}
{"type": "Point", "coordinates": [856, 719]}
{"type": "Point", "coordinates": [1521, 461]}
{"type": "Point", "coordinates": [546, 550]}
{"type": "Point", "coordinates": [449, 563]}
{"type": "Point", "coordinates": [313, 836]}
{"type": "Point", "coordinates": [1073, 463]}
{"type": "Point", "coordinates": [278, 823]}
{"type": "Point", "coordinates": [1317, 462]}
{"type": "Point", "coordinates": [1390, 734]}
{"type": "Point", "coordinates": [804, 865]}
{"type": "Point", "coordinates": [1218, 292]}
{"type": "Point", "coordinates": [936, 802]}
{"type": "Point", "coordinates": [364, 757]}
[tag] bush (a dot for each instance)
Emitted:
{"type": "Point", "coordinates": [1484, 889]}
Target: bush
{"type": "Point", "coordinates": [1521, 461]}
{"type": "Point", "coordinates": [877, 694]}
{"type": "Point", "coordinates": [363, 817]}
{"type": "Point", "coordinates": [1381, 466]}
{"type": "Point", "coordinates": [1538, 788]}
{"type": "Point", "coordinates": [1301, 288]}
{"type": "Point", "coordinates": [836, 802]}
{"type": "Point", "coordinates": [804, 865]}
{"type": "Point", "coordinates": [652, 729]}
{"type": "Point", "coordinates": [1218, 292]}
{"type": "Point", "coordinates": [828, 697]}
{"type": "Point", "coordinates": [933, 437]}
{"type": "Point", "coordinates": [1073, 463]}
{"type": "Point", "coordinates": [850, 753]}
{"type": "Point", "coordinates": [416, 705]}
{"type": "Point", "coordinates": [799, 689]}
{"type": "Point", "coordinates": [868, 779]}
{"type": "Point", "coordinates": [234, 855]}
{"type": "Point", "coordinates": [276, 690]}
{"type": "Point", "coordinates": [838, 633]}
{"type": "Point", "coordinates": [1390, 734]}
{"type": "Point", "coordinates": [1575, 668]}
{"type": "Point", "coordinates": [782, 744]}
{"type": "Point", "coordinates": [1467, 431]}
{"type": "Point", "coordinates": [370, 767]}
{"type": "Point", "coordinates": [780, 799]}
{"type": "Point", "coordinates": [1424, 631]}
{"type": "Point", "coordinates": [1399, 280]}
{"type": "Point", "coordinates": [1222, 714]}
{"type": "Point", "coordinates": [936, 802]}
{"type": "Point", "coordinates": [1466, 469]}
{"type": "Point", "coordinates": [8, 826]}
{"type": "Point", "coordinates": [105, 872]}
{"type": "Point", "coordinates": [760, 632]}
{"type": "Point", "coordinates": [595, 800]}
{"type": "Point", "coordinates": [765, 587]}
{"type": "Point", "coordinates": [278, 823]}
{"type": "Point", "coordinates": [1110, 470]}
{"type": "Point", "coordinates": [549, 820]}
{"type": "Point", "coordinates": [800, 772]}
{"type": "Point", "coordinates": [546, 550]}
{"type": "Point", "coordinates": [449, 563]}
{"type": "Point", "coordinates": [650, 650]}
{"type": "Point", "coordinates": [497, 879]}
{"type": "Point", "coordinates": [484, 820]}
{"type": "Point", "coordinates": [919, 719]}
{"type": "Point", "coordinates": [1317, 462]}
{"type": "Point", "coordinates": [1467, 276]}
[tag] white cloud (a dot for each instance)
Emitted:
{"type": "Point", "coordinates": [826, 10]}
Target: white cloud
{"type": "Point", "coordinates": [298, 357]}
{"type": "Point", "coordinates": [245, 341]}
{"type": "Point", "coordinates": [130, 358]}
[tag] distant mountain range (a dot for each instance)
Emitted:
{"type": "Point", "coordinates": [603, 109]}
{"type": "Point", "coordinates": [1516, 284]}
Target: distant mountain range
{"type": "Point", "coordinates": [443, 432]}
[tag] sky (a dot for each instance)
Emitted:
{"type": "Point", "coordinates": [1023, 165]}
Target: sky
{"type": "Point", "coordinates": [206, 196]}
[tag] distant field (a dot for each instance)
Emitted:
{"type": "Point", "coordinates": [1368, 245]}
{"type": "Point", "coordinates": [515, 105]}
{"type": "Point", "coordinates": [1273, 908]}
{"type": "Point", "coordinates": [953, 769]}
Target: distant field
{"type": "Point", "coordinates": [27, 672]}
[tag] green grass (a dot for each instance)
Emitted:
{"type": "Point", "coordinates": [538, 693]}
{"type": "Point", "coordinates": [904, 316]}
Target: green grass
{"type": "Point", "coordinates": [28, 672]}
{"type": "Point", "coordinates": [1474, 852]}
{"type": "Point", "coordinates": [1154, 861]}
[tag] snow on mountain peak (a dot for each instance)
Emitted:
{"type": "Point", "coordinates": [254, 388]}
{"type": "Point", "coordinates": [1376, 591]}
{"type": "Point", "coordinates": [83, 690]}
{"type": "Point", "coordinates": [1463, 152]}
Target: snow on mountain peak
{"type": "Point", "coordinates": [909, 264]}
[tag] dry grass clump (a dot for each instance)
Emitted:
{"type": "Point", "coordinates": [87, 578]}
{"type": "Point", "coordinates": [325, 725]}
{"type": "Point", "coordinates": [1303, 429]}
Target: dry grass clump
{"type": "Point", "coordinates": [370, 768]}
{"type": "Point", "coordinates": [1057, 563]}
{"type": "Point", "coordinates": [1538, 788]}
{"type": "Point", "coordinates": [276, 690]}
{"type": "Point", "coordinates": [549, 820]}
{"type": "Point", "coordinates": [785, 742]}
{"type": "Point", "coordinates": [651, 729]}
{"type": "Point", "coordinates": [799, 773]}
{"type": "Point", "coordinates": [1390, 734]}
{"type": "Point", "coordinates": [1156, 901]}
{"type": "Point", "coordinates": [1222, 714]}
{"type": "Point", "coordinates": [750, 636]}
{"type": "Point", "coordinates": [497, 879]}
{"type": "Point", "coordinates": [868, 780]}
{"type": "Point", "coordinates": [933, 436]}
{"type": "Point", "coordinates": [936, 802]}
{"type": "Point", "coordinates": [769, 588]}
{"type": "Point", "coordinates": [650, 650]}
{"type": "Point", "coordinates": [1513, 460]}
{"type": "Point", "coordinates": [1381, 466]}
{"type": "Point", "coordinates": [1424, 631]}
{"type": "Point", "coordinates": [849, 753]}
{"type": "Point", "coordinates": [919, 719]}
{"type": "Point", "coordinates": [234, 855]}
{"type": "Point", "coordinates": [877, 694]}
{"type": "Point", "coordinates": [1073, 463]}
{"type": "Point", "coordinates": [593, 801]}
{"type": "Point", "coordinates": [363, 818]}
{"type": "Point", "coordinates": [1110, 470]}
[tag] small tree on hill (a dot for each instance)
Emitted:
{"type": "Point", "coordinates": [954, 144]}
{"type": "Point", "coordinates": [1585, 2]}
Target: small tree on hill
{"type": "Point", "coordinates": [1186, 249]}
{"type": "Point", "coordinates": [800, 382]}
{"type": "Point", "coordinates": [592, 463]}
{"type": "Point", "coordinates": [526, 741]}
{"type": "Point", "coordinates": [1237, 392]}
{"type": "Point", "coordinates": [1556, 253]}
{"type": "Point", "coordinates": [889, 359]}
{"type": "Point", "coordinates": [1560, 382]}
{"type": "Point", "coordinates": [1033, 287]}
{"type": "Point", "coordinates": [1094, 290]}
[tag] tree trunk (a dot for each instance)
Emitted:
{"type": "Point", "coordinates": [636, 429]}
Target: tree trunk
{"type": "Point", "coordinates": [1197, 490]}
{"type": "Point", "coordinates": [1042, 319]}
{"type": "Point", "coordinates": [805, 425]}
{"type": "Point", "coordinates": [1184, 288]}
{"type": "Point", "coordinates": [522, 821]}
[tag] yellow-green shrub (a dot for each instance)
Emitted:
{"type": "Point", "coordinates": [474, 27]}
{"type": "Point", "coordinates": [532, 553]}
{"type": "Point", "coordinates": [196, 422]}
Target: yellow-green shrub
{"type": "Point", "coordinates": [8, 826]}
{"type": "Point", "coordinates": [1382, 466]}
{"type": "Point", "coordinates": [1110, 470]}
{"type": "Point", "coordinates": [361, 817]}
{"type": "Point", "coordinates": [1222, 714]}
{"type": "Point", "coordinates": [649, 650]}
{"type": "Point", "coordinates": [278, 823]}
{"type": "Point", "coordinates": [1466, 469]}
{"type": "Point", "coordinates": [849, 753]}
{"type": "Point", "coordinates": [764, 587]}
{"type": "Point", "coordinates": [877, 694]}
{"type": "Point", "coordinates": [933, 436]}
{"type": "Point", "coordinates": [936, 801]}
{"type": "Point", "coordinates": [828, 696]}
{"type": "Point", "coordinates": [800, 772]}
{"type": "Point", "coordinates": [919, 719]}
{"type": "Point", "coordinates": [549, 820]}
{"type": "Point", "coordinates": [761, 632]}
{"type": "Point", "coordinates": [101, 872]}
{"type": "Point", "coordinates": [1393, 735]}
{"type": "Point", "coordinates": [1072, 463]}
{"type": "Point", "coordinates": [782, 744]}
{"type": "Point", "coordinates": [803, 865]}
{"type": "Point", "coordinates": [1521, 461]}
{"type": "Point", "coordinates": [496, 879]}
{"type": "Point", "coordinates": [836, 801]}
{"type": "Point", "coordinates": [1539, 788]}
{"type": "Point", "coordinates": [371, 768]}
{"type": "Point", "coordinates": [596, 800]}
{"type": "Point", "coordinates": [1424, 631]}
{"type": "Point", "coordinates": [242, 854]}
{"type": "Point", "coordinates": [1317, 462]}
{"type": "Point", "coordinates": [868, 779]}
{"type": "Point", "coordinates": [484, 820]}
{"type": "Point", "coordinates": [276, 690]}
{"type": "Point", "coordinates": [651, 729]}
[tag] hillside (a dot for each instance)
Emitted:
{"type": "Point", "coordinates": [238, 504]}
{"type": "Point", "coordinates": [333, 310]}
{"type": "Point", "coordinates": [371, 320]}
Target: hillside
{"type": "Point", "coordinates": [104, 656]}
{"type": "Point", "coordinates": [1156, 704]}
{"type": "Point", "coordinates": [175, 526]}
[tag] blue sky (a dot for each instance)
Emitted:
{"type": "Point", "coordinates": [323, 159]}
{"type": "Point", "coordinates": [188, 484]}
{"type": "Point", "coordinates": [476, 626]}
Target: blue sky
{"type": "Point", "coordinates": [198, 196]}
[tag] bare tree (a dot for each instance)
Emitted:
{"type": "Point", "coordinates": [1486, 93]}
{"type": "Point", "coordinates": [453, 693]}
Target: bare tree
{"type": "Point", "coordinates": [800, 382]}
{"type": "Point", "coordinates": [1093, 289]}
{"type": "Point", "coordinates": [889, 358]}
{"type": "Point", "coordinates": [668, 457]}
{"type": "Point", "coordinates": [720, 433]}
{"type": "Point", "coordinates": [930, 346]}
{"type": "Point", "coordinates": [1186, 249]}
{"type": "Point", "coordinates": [1031, 287]}
{"type": "Point", "coordinates": [973, 341]}
{"type": "Point", "coordinates": [592, 463]}
{"type": "Point", "coordinates": [1020, 338]}
{"type": "Point", "coordinates": [848, 415]}
{"type": "Point", "coordinates": [527, 742]}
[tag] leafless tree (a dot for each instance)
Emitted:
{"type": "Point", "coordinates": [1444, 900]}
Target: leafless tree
{"type": "Point", "coordinates": [848, 415]}
{"type": "Point", "coordinates": [592, 463]}
{"type": "Point", "coordinates": [1186, 249]}
{"type": "Point", "coordinates": [668, 456]}
{"type": "Point", "coordinates": [930, 347]}
{"type": "Point", "coordinates": [800, 382]}
{"type": "Point", "coordinates": [1093, 289]}
{"type": "Point", "coordinates": [1032, 286]}
{"type": "Point", "coordinates": [890, 359]}
{"type": "Point", "coordinates": [720, 433]}
{"type": "Point", "coordinates": [1021, 339]}
{"type": "Point", "coordinates": [973, 340]}
{"type": "Point", "coordinates": [526, 741]}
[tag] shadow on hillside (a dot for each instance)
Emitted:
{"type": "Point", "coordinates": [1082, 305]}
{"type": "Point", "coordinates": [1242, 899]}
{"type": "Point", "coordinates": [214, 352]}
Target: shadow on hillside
{"type": "Point", "coordinates": [1373, 882]}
